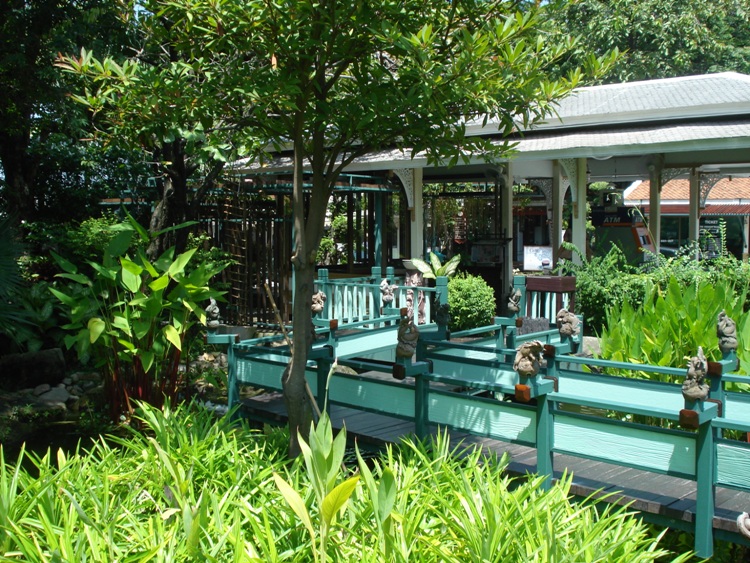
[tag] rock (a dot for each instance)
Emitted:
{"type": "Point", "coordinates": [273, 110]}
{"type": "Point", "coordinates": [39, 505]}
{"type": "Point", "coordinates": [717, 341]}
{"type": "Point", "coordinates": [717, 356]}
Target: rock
{"type": "Point", "coordinates": [31, 369]}
{"type": "Point", "coordinates": [55, 395]}
{"type": "Point", "coordinates": [67, 381]}
{"type": "Point", "coordinates": [73, 403]}
{"type": "Point", "coordinates": [39, 389]}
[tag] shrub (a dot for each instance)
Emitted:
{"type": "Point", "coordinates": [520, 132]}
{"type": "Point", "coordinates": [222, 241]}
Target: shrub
{"type": "Point", "coordinates": [603, 282]}
{"type": "Point", "coordinates": [471, 302]}
{"type": "Point", "coordinates": [191, 488]}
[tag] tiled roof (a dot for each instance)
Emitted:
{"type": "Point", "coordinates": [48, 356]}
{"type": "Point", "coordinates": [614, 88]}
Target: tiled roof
{"type": "Point", "coordinates": [684, 209]}
{"type": "Point", "coordinates": [699, 96]}
{"type": "Point", "coordinates": [679, 189]}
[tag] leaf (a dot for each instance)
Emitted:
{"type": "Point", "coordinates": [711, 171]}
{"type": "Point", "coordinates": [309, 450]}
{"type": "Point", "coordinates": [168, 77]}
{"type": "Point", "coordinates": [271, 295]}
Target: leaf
{"type": "Point", "coordinates": [79, 278]}
{"type": "Point", "coordinates": [96, 326]}
{"type": "Point", "coordinates": [66, 300]}
{"type": "Point", "coordinates": [173, 336]}
{"type": "Point", "coordinates": [178, 266]}
{"type": "Point", "coordinates": [295, 502]}
{"type": "Point", "coordinates": [334, 500]}
{"type": "Point", "coordinates": [147, 359]}
{"type": "Point", "coordinates": [118, 321]}
{"type": "Point", "coordinates": [119, 244]}
{"type": "Point", "coordinates": [130, 280]}
{"type": "Point", "coordinates": [159, 283]}
{"type": "Point", "coordinates": [63, 263]}
{"type": "Point", "coordinates": [423, 267]}
{"type": "Point", "coordinates": [387, 490]}
{"type": "Point", "coordinates": [450, 267]}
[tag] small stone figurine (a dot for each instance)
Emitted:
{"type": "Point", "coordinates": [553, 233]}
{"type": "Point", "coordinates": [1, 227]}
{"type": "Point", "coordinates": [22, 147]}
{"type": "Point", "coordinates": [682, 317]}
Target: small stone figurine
{"type": "Point", "coordinates": [694, 388]}
{"type": "Point", "coordinates": [386, 292]}
{"type": "Point", "coordinates": [213, 314]}
{"type": "Point", "coordinates": [726, 330]}
{"type": "Point", "coordinates": [318, 302]}
{"type": "Point", "coordinates": [567, 323]}
{"type": "Point", "coordinates": [514, 301]}
{"type": "Point", "coordinates": [528, 358]}
{"type": "Point", "coordinates": [743, 524]}
{"type": "Point", "coordinates": [408, 335]}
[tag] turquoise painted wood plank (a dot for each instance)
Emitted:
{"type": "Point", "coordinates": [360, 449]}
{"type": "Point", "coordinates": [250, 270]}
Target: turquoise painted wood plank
{"type": "Point", "coordinates": [472, 353]}
{"type": "Point", "coordinates": [659, 451]}
{"type": "Point", "coordinates": [473, 372]}
{"type": "Point", "coordinates": [266, 372]}
{"type": "Point", "coordinates": [260, 374]}
{"type": "Point", "coordinates": [369, 341]}
{"type": "Point", "coordinates": [494, 419]}
{"type": "Point", "coordinates": [737, 406]}
{"type": "Point", "coordinates": [733, 465]}
{"type": "Point", "coordinates": [388, 398]}
{"type": "Point", "coordinates": [622, 391]}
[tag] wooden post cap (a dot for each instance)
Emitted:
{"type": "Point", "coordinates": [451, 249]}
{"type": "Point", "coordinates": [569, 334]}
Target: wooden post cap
{"type": "Point", "coordinates": [523, 393]}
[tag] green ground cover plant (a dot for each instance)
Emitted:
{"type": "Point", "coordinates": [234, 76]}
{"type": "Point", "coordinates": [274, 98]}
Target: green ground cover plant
{"type": "Point", "coordinates": [184, 486]}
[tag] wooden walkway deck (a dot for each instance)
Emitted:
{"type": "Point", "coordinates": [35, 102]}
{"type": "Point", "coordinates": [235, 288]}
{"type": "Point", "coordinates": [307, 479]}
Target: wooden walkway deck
{"type": "Point", "coordinates": [659, 497]}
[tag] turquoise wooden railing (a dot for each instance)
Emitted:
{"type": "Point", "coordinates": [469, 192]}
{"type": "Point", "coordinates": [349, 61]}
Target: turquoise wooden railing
{"type": "Point", "coordinates": [551, 412]}
{"type": "Point", "coordinates": [357, 302]}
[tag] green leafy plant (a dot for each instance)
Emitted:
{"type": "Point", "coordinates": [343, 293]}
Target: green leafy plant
{"type": "Point", "coordinates": [323, 459]}
{"type": "Point", "coordinates": [190, 487]}
{"type": "Point", "coordinates": [134, 316]}
{"type": "Point", "coordinates": [672, 322]}
{"type": "Point", "coordinates": [435, 268]}
{"type": "Point", "coordinates": [471, 301]}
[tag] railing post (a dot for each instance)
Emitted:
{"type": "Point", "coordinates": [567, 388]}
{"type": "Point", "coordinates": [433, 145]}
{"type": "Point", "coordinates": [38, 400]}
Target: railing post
{"type": "Point", "coordinates": [441, 298]}
{"type": "Point", "coordinates": [544, 455]}
{"type": "Point", "coordinates": [421, 401]}
{"type": "Point", "coordinates": [705, 491]}
{"type": "Point", "coordinates": [545, 423]}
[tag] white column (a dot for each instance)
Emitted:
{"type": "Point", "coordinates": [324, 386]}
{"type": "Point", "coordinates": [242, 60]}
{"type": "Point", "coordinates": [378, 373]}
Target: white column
{"type": "Point", "coordinates": [417, 216]}
{"type": "Point", "coordinates": [695, 196]}
{"type": "Point", "coordinates": [506, 226]}
{"type": "Point", "coordinates": [558, 199]}
{"type": "Point", "coordinates": [579, 209]}
{"type": "Point", "coordinates": [654, 213]}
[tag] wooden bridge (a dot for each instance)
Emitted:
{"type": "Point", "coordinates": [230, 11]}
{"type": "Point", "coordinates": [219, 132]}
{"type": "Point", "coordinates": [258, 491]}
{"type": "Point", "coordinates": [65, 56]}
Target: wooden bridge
{"type": "Point", "coordinates": [677, 461]}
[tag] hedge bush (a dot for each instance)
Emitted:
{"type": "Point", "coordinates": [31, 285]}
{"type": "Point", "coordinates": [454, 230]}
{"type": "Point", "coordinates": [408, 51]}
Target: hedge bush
{"type": "Point", "coordinates": [471, 302]}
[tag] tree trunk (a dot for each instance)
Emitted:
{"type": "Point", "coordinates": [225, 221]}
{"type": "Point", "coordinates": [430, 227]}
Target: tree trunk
{"type": "Point", "coordinates": [173, 208]}
{"type": "Point", "coordinates": [296, 397]}
{"type": "Point", "coordinates": [308, 230]}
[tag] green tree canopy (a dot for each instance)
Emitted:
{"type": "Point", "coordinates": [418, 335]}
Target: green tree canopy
{"type": "Point", "coordinates": [326, 82]}
{"type": "Point", "coordinates": [46, 172]}
{"type": "Point", "coordinates": [658, 38]}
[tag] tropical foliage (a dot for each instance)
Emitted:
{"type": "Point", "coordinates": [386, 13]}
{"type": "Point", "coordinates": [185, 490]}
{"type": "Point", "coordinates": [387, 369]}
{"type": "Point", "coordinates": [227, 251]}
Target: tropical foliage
{"type": "Point", "coordinates": [659, 38]}
{"type": "Point", "coordinates": [193, 488]}
{"type": "Point", "coordinates": [329, 82]}
{"type": "Point", "coordinates": [673, 321]}
{"type": "Point", "coordinates": [133, 315]}
{"type": "Point", "coordinates": [436, 268]}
